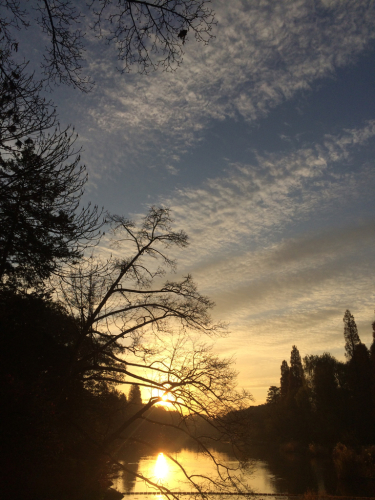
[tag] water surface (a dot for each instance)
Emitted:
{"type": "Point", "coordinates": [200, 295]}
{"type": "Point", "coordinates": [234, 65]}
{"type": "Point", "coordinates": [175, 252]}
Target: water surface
{"type": "Point", "coordinates": [267, 471]}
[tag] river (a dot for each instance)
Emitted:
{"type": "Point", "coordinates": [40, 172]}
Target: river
{"type": "Point", "coordinates": [267, 471]}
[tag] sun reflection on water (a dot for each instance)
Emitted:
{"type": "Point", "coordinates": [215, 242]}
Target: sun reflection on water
{"type": "Point", "coordinates": [161, 467]}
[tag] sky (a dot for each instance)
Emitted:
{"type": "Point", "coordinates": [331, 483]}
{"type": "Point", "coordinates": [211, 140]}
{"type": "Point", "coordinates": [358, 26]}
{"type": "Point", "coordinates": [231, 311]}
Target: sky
{"type": "Point", "coordinates": [262, 144]}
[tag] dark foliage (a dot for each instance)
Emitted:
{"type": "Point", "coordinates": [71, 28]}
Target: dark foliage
{"type": "Point", "coordinates": [41, 185]}
{"type": "Point", "coordinates": [43, 449]}
{"type": "Point", "coordinates": [40, 189]}
{"type": "Point", "coordinates": [350, 334]}
{"type": "Point", "coordinates": [296, 377]}
{"type": "Point", "coordinates": [321, 401]}
{"type": "Point", "coordinates": [284, 379]}
{"type": "Point", "coordinates": [135, 397]}
{"type": "Point", "coordinates": [62, 361]}
{"type": "Point", "coordinates": [24, 113]}
{"type": "Point", "coordinates": [273, 395]}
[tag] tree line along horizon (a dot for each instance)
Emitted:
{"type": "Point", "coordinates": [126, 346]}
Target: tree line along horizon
{"type": "Point", "coordinates": [323, 400]}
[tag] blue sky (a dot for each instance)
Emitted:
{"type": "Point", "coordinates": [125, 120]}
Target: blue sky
{"type": "Point", "coordinates": [262, 143]}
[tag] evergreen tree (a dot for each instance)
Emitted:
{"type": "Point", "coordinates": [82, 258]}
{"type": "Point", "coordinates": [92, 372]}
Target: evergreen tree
{"type": "Point", "coordinates": [372, 348]}
{"type": "Point", "coordinates": [284, 380]}
{"type": "Point", "coordinates": [273, 395]}
{"type": "Point", "coordinates": [40, 191]}
{"type": "Point", "coordinates": [323, 378]}
{"type": "Point", "coordinates": [296, 371]}
{"type": "Point", "coordinates": [372, 359]}
{"type": "Point", "coordinates": [135, 397]}
{"type": "Point", "coordinates": [360, 378]}
{"type": "Point", "coordinates": [350, 334]}
{"type": "Point", "coordinates": [41, 185]}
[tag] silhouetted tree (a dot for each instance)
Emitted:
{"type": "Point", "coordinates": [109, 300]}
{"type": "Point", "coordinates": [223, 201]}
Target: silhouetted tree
{"type": "Point", "coordinates": [325, 378]}
{"type": "Point", "coordinates": [323, 400]}
{"type": "Point", "coordinates": [135, 330]}
{"type": "Point", "coordinates": [284, 380]}
{"type": "Point", "coordinates": [273, 395]}
{"type": "Point", "coordinates": [360, 380]}
{"type": "Point", "coordinates": [350, 334]}
{"type": "Point", "coordinates": [145, 33]}
{"type": "Point", "coordinates": [296, 376]}
{"type": "Point", "coordinates": [118, 293]}
{"type": "Point", "coordinates": [372, 348]}
{"type": "Point", "coordinates": [135, 397]}
{"type": "Point", "coordinates": [41, 185]}
{"type": "Point", "coordinates": [372, 358]}
{"type": "Point", "coordinates": [322, 372]}
{"type": "Point", "coordinates": [24, 113]}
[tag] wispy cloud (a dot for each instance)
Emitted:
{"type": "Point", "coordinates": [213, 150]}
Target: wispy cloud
{"type": "Point", "coordinates": [263, 54]}
{"type": "Point", "coordinates": [255, 202]}
{"type": "Point", "coordinates": [276, 275]}
{"type": "Point", "coordinates": [171, 169]}
{"type": "Point", "coordinates": [276, 245]}
{"type": "Point", "coordinates": [283, 242]}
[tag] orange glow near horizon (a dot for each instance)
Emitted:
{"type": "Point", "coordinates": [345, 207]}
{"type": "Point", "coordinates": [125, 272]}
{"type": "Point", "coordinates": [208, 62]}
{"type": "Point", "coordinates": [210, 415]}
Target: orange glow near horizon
{"type": "Point", "coordinates": [166, 398]}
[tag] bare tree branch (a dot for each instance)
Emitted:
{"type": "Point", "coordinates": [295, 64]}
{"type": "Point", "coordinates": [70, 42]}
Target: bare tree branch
{"type": "Point", "coordinates": [146, 35]}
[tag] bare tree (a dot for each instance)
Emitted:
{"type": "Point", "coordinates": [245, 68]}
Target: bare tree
{"type": "Point", "coordinates": [153, 33]}
{"type": "Point", "coordinates": [201, 388]}
{"type": "Point", "coordinates": [147, 34]}
{"type": "Point", "coordinates": [116, 299]}
{"type": "Point", "coordinates": [137, 330]}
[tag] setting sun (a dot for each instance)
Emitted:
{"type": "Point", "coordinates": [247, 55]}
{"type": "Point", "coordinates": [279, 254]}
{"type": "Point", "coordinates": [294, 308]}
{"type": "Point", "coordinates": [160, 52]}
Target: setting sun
{"type": "Point", "coordinates": [165, 398]}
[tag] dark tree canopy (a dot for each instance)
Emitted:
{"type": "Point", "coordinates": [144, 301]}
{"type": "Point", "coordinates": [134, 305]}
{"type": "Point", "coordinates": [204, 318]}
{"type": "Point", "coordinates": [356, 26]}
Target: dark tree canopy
{"type": "Point", "coordinates": [296, 371]}
{"type": "Point", "coordinates": [350, 334]}
{"type": "Point", "coordinates": [323, 372]}
{"type": "Point", "coordinates": [41, 185]}
{"type": "Point", "coordinates": [135, 397]}
{"type": "Point", "coordinates": [146, 34]}
{"type": "Point", "coordinates": [284, 380]}
{"type": "Point", "coordinates": [323, 402]}
{"type": "Point", "coordinates": [115, 323]}
{"type": "Point", "coordinates": [24, 113]}
{"type": "Point", "coordinates": [372, 348]}
{"type": "Point", "coordinates": [273, 394]}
